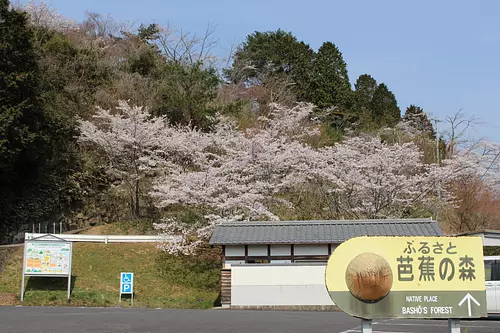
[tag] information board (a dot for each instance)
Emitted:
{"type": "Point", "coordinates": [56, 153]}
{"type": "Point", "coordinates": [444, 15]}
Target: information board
{"type": "Point", "coordinates": [408, 277]}
{"type": "Point", "coordinates": [47, 256]}
{"type": "Point", "coordinates": [50, 258]}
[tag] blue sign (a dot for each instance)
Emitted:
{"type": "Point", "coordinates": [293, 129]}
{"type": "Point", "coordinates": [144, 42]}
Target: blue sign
{"type": "Point", "coordinates": [126, 283]}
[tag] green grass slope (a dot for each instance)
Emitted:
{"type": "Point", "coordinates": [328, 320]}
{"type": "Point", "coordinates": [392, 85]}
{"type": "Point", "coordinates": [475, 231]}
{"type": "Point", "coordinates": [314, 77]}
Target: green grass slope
{"type": "Point", "coordinates": [161, 280]}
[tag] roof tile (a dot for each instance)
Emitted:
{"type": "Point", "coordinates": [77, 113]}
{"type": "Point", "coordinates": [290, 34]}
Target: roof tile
{"type": "Point", "coordinates": [314, 232]}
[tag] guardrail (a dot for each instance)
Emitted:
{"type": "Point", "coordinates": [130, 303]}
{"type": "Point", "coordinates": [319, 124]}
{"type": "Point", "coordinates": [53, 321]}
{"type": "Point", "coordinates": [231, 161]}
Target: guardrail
{"type": "Point", "coordinates": [106, 238]}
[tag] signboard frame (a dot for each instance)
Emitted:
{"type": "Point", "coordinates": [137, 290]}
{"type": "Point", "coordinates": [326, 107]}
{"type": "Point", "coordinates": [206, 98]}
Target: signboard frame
{"type": "Point", "coordinates": [48, 238]}
{"type": "Point", "coordinates": [123, 283]}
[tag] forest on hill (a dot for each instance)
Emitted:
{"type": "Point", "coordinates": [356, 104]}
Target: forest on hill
{"type": "Point", "coordinates": [101, 122]}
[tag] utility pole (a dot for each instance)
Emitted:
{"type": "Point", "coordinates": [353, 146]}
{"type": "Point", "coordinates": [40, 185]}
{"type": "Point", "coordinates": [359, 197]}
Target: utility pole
{"type": "Point", "coordinates": [438, 164]}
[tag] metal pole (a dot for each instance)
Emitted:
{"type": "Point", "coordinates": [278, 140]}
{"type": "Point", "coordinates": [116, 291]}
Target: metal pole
{"type": "Point", "coordinates": [437, 162]}
{"type": "Point", "coordinates": [54, 227]}
{"type": "Point", "coordinates": [39, 228]}
{"type": "Point", "coordinates": [366, 326]}
{"type": "Point", "coordinates": [60, 227]}
{"type": "Point", "coordinates": [24, 270]}
{"type": "Point", "coordinates": [69, 270]}
{"type": "Point", "coordinates": [33, 228]}
{"type": "Point", "coordinates": [454, 325]}
{"type": "Point", "coordinates": [437, 141]}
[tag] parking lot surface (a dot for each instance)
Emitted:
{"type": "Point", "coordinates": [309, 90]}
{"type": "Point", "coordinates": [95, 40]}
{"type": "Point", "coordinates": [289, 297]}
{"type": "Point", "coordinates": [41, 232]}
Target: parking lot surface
{"type": "Point", "coordinates": [104, 320]}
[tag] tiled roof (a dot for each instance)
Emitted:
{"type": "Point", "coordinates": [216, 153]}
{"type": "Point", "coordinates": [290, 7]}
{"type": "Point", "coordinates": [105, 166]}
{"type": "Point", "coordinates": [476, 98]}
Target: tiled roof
{"type": "Point", "coordinates": [317, 232]}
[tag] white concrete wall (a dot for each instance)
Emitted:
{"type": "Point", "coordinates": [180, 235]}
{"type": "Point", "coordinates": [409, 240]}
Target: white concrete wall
{"type": "Point", "coordinates": [255, 285]}
{"type": "Point", "coordinates": [257, 250]}
{"type": "Point", "coordinates": [235, 250]}
{"type": "Point", "coordinates": [278, 250]}
{"type": "Point", "coordinates": [491, 241]}
{"type": "Point", "coordinates": [303, 250]}
{"type": "Point", "coordinates": [281, 250]}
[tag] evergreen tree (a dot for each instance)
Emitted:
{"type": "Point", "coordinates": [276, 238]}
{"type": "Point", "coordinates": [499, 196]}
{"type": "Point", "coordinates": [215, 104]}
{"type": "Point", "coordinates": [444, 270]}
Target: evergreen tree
{"type": "Point", "coordinates": [365, 88]}
{"type": "Point", "coordinates": [265, 55]}
{"type": "Point", "coordinates": [384, 107]}
{"type": "Point", "coordinates": [187, 94]}
{"type": "Point", "coordinates": [418, 120]}
{"type": "Point", "coordinates": [33, 145]}
{"type": "Point", "coordinates": [330, 87]}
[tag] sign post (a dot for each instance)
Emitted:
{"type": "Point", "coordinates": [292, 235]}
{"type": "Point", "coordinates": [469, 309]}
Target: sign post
{"type": "Point", "coordinates": [47, 256]}
{"type": "Point", "coordinates": [408, 277]}
{"type": "Point", "coordinates": [127, 285]}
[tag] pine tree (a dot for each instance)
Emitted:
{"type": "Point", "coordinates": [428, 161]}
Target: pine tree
{"type": "Point", "coordinates": [33, 145]}
{"type": "Point", "coordinates": [384, 107]}
{"type": "Point", "coordinates": [418, 120]}
{"type": "Point", "coordinates": [20, 112]}
{"type": "Point", "coordinates": [330, 87]}
{"type": "Point", "coordinates": [267, 55]}
{"type": "Point", "coordinates": [365, 88]}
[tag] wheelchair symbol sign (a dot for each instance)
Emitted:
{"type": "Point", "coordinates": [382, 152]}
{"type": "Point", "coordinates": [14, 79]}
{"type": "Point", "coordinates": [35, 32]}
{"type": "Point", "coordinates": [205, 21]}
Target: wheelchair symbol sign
{"type": "Point", "coordinates": [127, 283]}
{"type": "Point", "coordinates": [127, 277]}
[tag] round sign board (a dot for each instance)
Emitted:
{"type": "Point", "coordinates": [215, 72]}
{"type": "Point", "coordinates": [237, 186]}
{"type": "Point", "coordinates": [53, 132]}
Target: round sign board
{"type": "Point", "coordinates": [408, 277]}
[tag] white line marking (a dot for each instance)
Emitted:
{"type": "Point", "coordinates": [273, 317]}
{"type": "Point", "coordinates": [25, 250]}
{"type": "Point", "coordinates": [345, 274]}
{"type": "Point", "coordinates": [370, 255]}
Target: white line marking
{"type": "Point", "coordinates": [352, 330]}
{"type": "Point", "coordinates": [358, 329]}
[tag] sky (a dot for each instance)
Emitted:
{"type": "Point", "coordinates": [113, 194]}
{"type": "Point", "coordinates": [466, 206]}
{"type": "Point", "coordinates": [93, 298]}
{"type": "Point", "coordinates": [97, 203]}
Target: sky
{"type": "Point", "coordinates": [440, 55]}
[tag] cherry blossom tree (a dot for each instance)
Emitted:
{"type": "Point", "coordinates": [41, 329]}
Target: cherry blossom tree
{"type": "Point", "coordinates": [243, 171]}
{"type": "Point", "coordinates": [137, 145]}
{"type": "Point", "coordinates": [246, 177]}
{"type": "Point", "coordinates": [235, 175]}
{"type": "Point", "coordinates": [42, 14]}
{"type": "Point", "coordinates": [372, 179]}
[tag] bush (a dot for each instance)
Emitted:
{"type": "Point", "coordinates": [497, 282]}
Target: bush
{"type": "Point", "coordinates": [491, 250]}
{"type": "Point", "coordinates": [199, 271]}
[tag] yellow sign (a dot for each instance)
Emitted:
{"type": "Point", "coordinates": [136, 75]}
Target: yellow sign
{"type": "Point", "coordinates": [423, 277]}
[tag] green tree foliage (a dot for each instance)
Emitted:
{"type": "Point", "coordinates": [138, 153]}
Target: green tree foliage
{"type": "Point", "coordinates": [265, 55]}
{"type": "Point", "coordinates": [72, 71]}
{"type": "Point", "coordinates": [145, 61]}
{"type": "Point", "coordinates": [417, 119]}
{"type": "Point", "coordinates": [365, 88]}
{"type": "Point", "coordinates": [187, 94]}
{"type": "Point", "coordinates": [330, 82]}
{"type": "Point", "coordinates": [34, 143]}
{"type": "Point", "coordinates": [384, 107]}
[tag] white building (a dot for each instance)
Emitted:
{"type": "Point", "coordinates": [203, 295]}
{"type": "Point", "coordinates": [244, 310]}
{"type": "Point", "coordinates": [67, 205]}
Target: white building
{"type": "Point", "coordinates": [282, 264]}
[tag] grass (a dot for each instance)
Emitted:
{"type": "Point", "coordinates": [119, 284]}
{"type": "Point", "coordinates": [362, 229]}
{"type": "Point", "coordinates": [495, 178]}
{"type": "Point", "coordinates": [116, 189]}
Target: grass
{"type": "Point", "coordinates": [96, 273]}
{"type": "Point", "coordinates": [132, 227]}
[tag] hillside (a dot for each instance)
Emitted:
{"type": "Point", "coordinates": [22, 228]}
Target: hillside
{"type": "Point", "coordinates": [96, 272]}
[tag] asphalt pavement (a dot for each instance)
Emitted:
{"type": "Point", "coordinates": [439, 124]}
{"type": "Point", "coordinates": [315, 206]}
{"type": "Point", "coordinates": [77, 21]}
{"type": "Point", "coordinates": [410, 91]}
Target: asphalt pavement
{"type": "Point", "coordinates": [116, 320]}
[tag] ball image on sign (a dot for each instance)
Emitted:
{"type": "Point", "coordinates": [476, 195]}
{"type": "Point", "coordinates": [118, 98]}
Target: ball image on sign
{"type": "Point", "coordinates": [369, 277]}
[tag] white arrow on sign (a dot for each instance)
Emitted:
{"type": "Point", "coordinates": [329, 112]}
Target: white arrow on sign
{"type": "Point", "coordinates": [468, 298]}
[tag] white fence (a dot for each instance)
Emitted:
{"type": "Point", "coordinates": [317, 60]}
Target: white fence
{"type": "Point", "coordinates": [279, 285]}
{"type": "Point", "coordinates": [106, 238]}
